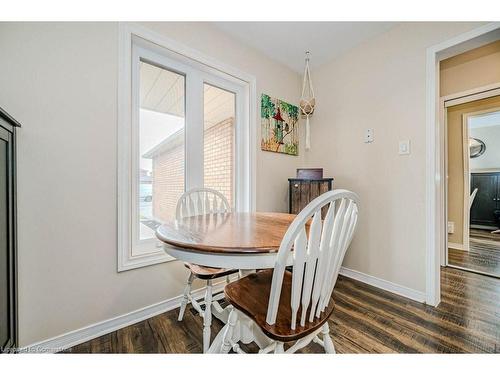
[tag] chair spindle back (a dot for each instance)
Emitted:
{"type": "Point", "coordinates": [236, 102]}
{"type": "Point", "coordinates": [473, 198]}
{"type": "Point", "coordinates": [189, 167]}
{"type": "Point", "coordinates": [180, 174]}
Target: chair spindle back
{"type": "Point", "coordinates": [201, 201]}
{"type": "Point", "coordinates": [317, 257]}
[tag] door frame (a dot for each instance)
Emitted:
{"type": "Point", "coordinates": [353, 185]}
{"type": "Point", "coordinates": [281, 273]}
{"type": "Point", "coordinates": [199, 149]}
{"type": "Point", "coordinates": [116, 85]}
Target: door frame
{"type": "Point", "coordinates": [436, 215]}
{"type": "Point", "coordinates": [467, 171]}
{"type": "Point", "coordinates": [463, 97]}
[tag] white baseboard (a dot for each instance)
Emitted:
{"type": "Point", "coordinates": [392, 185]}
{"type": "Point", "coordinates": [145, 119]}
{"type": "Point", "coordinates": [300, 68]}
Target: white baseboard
{"type": "Point", "coordinates": [92, 331]}
{"type": "Point", "coordinates": [384, 284]}
{"type": "Point", "coordinates": [456, 246]}
{"type": "Point", "coordinates": [72, 338]}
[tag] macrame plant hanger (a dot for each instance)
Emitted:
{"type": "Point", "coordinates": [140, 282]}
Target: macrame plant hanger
{"type": "Point", "coordinates": [307, 100]}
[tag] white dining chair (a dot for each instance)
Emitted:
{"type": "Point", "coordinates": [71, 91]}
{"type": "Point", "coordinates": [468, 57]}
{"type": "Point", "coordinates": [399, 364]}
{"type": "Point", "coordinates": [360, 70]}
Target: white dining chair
{"type": "Point", "coordinates": [295, 306]}
{"type": "Point", "coordinates": [472, 197]}
{"type": "Point", "coordinates": [203, 201]}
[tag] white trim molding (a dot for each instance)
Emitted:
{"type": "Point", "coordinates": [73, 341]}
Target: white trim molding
{"type": "Point", "coordinates": [389, 286]}
{"type": "Point", "coordinates": [456, 246]}
{"type": "Point", "coordinates": [466, 162]}
{"type": "Point", "coordinates": [477, 93]}
{"type": "Point", "coordinates": [436, 233]}
{"type": "Point", "coordinates": [135, 42]}
{"type": "Point", "coordinates": [78, 336]}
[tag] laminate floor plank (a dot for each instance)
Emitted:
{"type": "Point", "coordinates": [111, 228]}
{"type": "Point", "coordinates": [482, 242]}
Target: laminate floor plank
{"type": "Point", "coordinates": [483, 254]}
{"type": "Point", "coordinates": [365, 320]}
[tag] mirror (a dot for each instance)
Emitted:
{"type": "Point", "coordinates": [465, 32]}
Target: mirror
{"type": "Point", "coordinates": [476, 147]}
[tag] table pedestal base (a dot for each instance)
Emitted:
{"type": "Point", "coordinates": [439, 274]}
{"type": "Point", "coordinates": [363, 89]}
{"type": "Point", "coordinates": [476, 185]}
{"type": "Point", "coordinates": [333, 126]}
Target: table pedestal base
{"type": "Point", "coordinates": [244, 330]}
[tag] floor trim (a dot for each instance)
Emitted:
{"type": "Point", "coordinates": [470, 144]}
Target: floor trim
{"type": "Point", "coordinates": [92, 331]}
{"type": "Point", "coordinates": [489, 274]}
{"type": "Point", "coordinates": [384, 284]}
{"type": "Point", "coordinates": [456, 246]}
{"type": "Point", "coordinates": [78, 336]}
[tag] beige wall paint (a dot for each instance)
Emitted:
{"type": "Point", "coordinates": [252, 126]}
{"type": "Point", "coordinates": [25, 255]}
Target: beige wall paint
{"type": "Point", "coordinates": [469, 70]}
{"type": "Point", "coordinates": [380, 85]}
{"type": "Point", "coordinates": [60, 82]}
{"type": "Point", "coordinates": [476, 68]}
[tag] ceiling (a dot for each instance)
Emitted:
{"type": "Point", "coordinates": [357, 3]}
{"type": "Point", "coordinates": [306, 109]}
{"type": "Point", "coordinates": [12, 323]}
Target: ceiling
{"type": "Point", "coordinates": [287, 42]}
{"type": "Point", "coordinates": [163, 91]}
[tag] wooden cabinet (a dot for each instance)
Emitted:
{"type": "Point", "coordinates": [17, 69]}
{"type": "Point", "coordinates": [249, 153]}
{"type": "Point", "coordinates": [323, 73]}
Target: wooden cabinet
{"type": "Point", "coordinates": [485, 210]}
{"type": "Point", "coordinates": [8, 260]}
{"type": "Point", "coordinates": [302, 191]}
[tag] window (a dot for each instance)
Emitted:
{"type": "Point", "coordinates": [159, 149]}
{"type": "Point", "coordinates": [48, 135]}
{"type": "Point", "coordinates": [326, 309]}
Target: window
{"type": "Point", "coordinates": [182, 124]}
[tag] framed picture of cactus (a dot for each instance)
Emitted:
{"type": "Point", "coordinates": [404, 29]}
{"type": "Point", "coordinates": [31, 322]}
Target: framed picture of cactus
{"type": "Point", "coordinates": [279, 126]}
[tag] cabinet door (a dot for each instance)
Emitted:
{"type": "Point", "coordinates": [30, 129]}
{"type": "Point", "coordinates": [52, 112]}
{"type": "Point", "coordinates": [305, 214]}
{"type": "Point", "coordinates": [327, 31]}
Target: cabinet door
{"type": "Point", "coordinates": [5, 315]}
{"type": "Point", "coordinates": [294, 197]}
{"type": "Point", "coordinates": [483, 208]}
{"type": "Point", "coordinates": [305, 190]}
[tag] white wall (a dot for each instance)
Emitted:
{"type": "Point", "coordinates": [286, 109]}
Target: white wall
{"type": "Point", "coordinates": [490, 135]}
{"type": "Point", "coordinates": [380, 85]}
{"type": "Point", "coordinates": [60, 82]}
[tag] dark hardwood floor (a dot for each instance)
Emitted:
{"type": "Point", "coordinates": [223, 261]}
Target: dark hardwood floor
{"type": "Point", "coordinates": [365, 320]}
{"type": "Point", "coordinates": [483, 254]}
{"type": "Point", "coordinates": [484, 234]}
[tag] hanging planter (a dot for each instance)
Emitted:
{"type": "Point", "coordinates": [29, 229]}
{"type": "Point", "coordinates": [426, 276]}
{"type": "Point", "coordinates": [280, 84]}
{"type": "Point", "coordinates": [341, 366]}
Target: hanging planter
{"type": "Point", "coordinates": [307, 100]}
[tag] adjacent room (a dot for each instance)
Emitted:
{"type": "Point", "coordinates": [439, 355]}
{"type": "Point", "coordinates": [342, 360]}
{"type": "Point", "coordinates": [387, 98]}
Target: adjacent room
{"type": "Point", "coordinates": [250, 187]}
{"type": "Point", "coordinates": [472, 106]}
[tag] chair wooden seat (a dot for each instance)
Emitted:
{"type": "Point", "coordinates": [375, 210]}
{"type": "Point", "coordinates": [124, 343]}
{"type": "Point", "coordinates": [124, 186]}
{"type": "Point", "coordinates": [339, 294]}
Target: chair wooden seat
{"type": "Point", "coordinates": [208, 273]}
{"type": "Point", "coordinates": [251, 295]}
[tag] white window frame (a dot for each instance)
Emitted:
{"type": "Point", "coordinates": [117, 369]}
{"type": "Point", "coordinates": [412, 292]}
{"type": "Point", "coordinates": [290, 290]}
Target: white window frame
{"type": "Point", "coordinates": [136, 42]}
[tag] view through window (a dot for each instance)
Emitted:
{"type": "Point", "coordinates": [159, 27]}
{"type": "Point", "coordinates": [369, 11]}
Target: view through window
{"type": "Point", "coordinates": [219, 116]}
{"type": "Point", "coordinates": [161, 143]}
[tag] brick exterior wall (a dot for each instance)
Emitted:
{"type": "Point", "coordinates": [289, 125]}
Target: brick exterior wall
{"type": "Point", "coordinates": [168, 169]}
{"type": "Point", "coordinates": [219, 158]}
{"type": "Point", "coordinates": [168, 182]}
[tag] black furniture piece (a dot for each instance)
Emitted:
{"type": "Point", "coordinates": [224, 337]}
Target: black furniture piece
{"type": "Point", "coordinates": [485, 210]}
{"type": "Point", "coordinates": [8, 238]}
{"type": "Point", "coordinates": [301, 191]}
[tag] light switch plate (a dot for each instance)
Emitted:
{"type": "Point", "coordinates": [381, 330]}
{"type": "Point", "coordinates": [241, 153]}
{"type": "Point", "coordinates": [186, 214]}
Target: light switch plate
{"type": "Point", "coordinates": [451, 227]}
{"type": "Point", "coordinates": [404, 147]}
{"type": "Point", "coordinates": [369, 136]}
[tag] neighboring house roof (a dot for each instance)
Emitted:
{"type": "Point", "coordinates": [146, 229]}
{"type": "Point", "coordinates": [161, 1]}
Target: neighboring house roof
{"type": "Point", "coordinates": [173, 141]}
{"type": "Point", "coordinates": [9, 118]}
{"type": "Point", "coordinates": [169, 143]}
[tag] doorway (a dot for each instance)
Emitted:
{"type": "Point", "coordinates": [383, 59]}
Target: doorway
{"type": "Point", "coordinates": [473, 184]}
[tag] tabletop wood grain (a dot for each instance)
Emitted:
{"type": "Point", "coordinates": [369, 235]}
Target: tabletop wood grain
{"type": "Point", "coordinates": [228, 233]}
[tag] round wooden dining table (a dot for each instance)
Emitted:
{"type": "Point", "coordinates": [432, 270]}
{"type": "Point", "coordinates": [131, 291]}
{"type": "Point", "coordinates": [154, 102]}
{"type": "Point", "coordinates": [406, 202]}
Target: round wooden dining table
{"type": "Point", "coordinates": [241, 240]}
{"type": "Point", "coordinates": [244, 240]}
